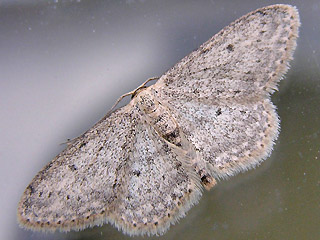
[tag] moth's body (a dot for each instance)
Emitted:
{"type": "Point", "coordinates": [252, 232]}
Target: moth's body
{"type": "Point", "coordinates": [158, 116]}
{"type": "Point", "coordinates": [161, 119]}
{"type": "Point", "coordinates": [209, 117]}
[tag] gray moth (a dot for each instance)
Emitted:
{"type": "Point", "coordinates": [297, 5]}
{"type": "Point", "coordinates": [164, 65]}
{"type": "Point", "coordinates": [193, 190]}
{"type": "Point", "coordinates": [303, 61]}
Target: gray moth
{"type": "Point", "coordinates": [144, 165]}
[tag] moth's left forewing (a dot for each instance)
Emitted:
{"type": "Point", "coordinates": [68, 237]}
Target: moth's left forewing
{"type": "Point", "coordinates": [81, 186]}
{"type": "Point", "coordinates": [120, 171]}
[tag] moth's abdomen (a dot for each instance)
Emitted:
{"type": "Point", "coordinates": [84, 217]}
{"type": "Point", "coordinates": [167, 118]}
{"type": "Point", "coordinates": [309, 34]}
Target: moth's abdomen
{"type": "Point", "coordinates": [159, 117]}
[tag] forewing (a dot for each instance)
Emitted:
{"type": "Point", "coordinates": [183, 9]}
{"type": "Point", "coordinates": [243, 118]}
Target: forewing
{"type": "Point", "coordinates": [79, 187]}
{"type": "Point", "coordinates": [219, 94]}
{"type": "Point", "coordinates": [120, 171]}
{"type": "Point", "coordinates": [244, 60]}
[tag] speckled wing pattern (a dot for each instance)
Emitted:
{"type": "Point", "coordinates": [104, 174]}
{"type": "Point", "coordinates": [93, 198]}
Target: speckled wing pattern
{"type": "Point", "coordinates": [219, 94]}
{"type": "Point", "coordinates": [143, 166]}
{"type": "Point", "coordinates": [141, 185]}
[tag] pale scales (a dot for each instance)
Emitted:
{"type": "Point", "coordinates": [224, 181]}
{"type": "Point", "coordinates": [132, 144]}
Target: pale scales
{"type": "Point", "coordinates": [208, 117]}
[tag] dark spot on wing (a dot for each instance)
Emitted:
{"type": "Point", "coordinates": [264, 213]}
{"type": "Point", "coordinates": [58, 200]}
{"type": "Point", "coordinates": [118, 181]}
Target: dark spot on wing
{"type": "Point", "coordinates": [230, 48]}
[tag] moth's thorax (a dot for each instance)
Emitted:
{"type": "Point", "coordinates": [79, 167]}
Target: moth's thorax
{"type": "Point", "coordinates": [158, 116]}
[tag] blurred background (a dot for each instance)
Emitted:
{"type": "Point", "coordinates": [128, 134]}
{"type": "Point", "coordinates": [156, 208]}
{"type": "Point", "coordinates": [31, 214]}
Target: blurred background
{"type": "Point", "coordinates": [63, 64]}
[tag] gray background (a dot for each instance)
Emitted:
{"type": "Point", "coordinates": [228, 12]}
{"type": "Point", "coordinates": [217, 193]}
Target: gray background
{"type": "Point", "coordinates": [64, 63]}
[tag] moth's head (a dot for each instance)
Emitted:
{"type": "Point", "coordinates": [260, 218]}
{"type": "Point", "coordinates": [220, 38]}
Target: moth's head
{"type": "Point", "coordinates": [145, 100]}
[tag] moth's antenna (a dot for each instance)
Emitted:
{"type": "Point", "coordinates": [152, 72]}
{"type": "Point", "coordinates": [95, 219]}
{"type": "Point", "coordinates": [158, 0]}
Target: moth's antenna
{"type": "Point", "coordinates": [132, 92]}
{"type": "Point", "coordinates": [119, 99]}
{"type": "Point", "coordinates": [148, 80]}
{"type": "Point", "coordinates": [70, 141]}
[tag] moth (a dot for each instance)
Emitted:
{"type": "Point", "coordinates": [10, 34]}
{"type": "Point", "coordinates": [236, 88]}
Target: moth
{"type": "Point", "coordinates": [144, 165]}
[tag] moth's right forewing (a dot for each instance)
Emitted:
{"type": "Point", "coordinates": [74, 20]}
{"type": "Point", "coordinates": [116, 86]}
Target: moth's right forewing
{"type": "Point", "coordinates": [219, 94]}
{"type": "Point", "coordinates": [244, 60]}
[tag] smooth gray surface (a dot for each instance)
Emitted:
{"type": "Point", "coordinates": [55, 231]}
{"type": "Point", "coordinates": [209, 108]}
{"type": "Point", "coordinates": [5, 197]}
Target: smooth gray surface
{"type": "Point", "coordinates": [64, 63]}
